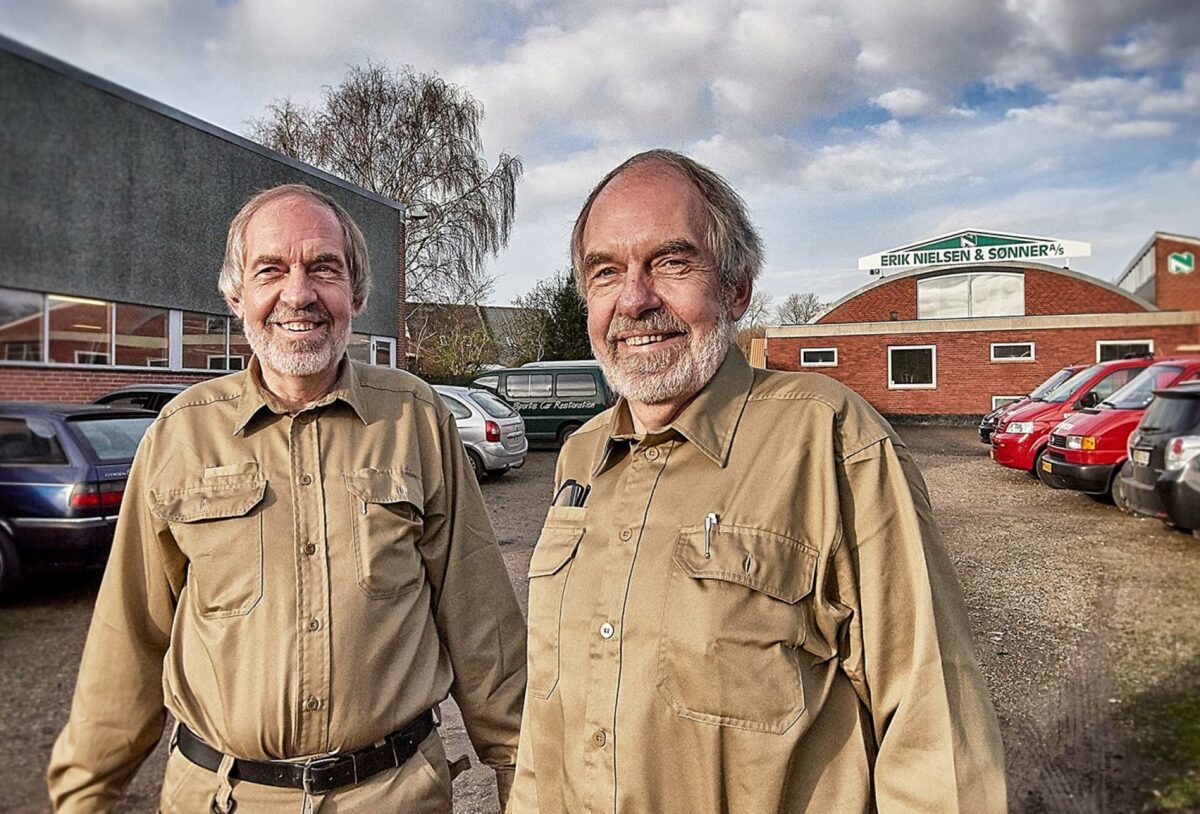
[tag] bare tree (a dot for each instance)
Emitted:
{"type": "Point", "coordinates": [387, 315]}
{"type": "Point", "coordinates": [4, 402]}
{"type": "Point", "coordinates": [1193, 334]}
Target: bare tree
{"type": "Point", "coordinates": [799, 308]}
{"type": "Point", "coordinates": [753, 324]}
{"type": "Point", "coordinates": [412, 138]}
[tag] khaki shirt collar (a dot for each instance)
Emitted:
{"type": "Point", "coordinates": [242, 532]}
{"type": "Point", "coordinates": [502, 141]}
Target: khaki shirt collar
{"type": "Point", "coordinates": [255, 396]}
{"type": "Point", "coordinates": [709, 420]}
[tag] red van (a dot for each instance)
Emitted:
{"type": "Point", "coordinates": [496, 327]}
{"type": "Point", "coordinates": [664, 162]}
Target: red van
{"type": "Point", "coordinates": [1087, 449]}
{"type": "Point", "coordinates": [1022, 436]}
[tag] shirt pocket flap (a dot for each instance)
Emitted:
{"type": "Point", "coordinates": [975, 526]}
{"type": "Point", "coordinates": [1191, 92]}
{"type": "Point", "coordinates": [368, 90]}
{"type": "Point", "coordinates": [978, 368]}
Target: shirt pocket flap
{"type": "Point", "coordinates": [770, 563]}
{"type": "Point", "coordinates": [555, 548]}
{"type": "Point", "coordinates": [386, 486]}
{"type": "Point", "coordinates": [209, 500]}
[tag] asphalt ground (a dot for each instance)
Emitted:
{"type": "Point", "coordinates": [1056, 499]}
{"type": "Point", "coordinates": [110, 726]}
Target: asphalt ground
{"type": "Point", "coordinates": [1085, 621]}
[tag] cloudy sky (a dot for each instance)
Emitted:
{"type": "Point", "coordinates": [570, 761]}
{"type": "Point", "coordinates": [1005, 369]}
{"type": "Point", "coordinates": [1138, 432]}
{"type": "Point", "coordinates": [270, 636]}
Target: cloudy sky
{"type": "Point", "coordinates": [850, 126]}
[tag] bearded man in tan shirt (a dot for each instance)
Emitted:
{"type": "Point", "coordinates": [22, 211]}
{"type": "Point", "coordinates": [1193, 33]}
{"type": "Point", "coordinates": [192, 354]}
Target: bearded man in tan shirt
{"type": "Point", "coordinates": [303, 567]}
{"type": "Point", "coordinates": [739, 602]}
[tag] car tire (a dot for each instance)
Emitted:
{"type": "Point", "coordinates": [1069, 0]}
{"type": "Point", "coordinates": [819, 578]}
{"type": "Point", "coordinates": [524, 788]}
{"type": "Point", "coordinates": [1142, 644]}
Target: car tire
{"type": "Point", "coordinates": [565, 432]}
{"type": "Point", "coordinates": [1036, 472]}
{"type": "Point", "coordinates": [497, 473]}
{"type": "Point", "coordinates": [476, 464]}
{"type": "Point", "coordinates": [10, 565]}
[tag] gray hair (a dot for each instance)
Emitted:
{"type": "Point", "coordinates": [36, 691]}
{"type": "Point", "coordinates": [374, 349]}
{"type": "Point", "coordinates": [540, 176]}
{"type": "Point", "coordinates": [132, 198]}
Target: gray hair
{"type": "Point", "coordinates": [731, 237]}
{"type": "Point", "coordinates": [358, 264]}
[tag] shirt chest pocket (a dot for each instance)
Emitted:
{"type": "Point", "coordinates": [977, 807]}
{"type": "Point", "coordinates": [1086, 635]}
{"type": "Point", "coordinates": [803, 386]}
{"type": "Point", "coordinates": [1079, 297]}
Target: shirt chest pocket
{"type": "Point", "coordinates": [216, 526]}
{"type": "Point", "coordinates": [728, 651]}
{"type": "Point", "coordinates": [386, 523]}
{"type": "Point", "coordinates": [548, 571]}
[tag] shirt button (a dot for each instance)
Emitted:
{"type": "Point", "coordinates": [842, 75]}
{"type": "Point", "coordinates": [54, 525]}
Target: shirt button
{"type": "Point", "coordinates": [652, 454]}
{"type": "Point", "coordinates": [600, 737]}
{"type": "Point", "coordinates": [312, 704]}
{"type": "Point", "coordinates": [626, 534]}
{"type": "Point", "coordinates": [606, 630]}
{"type": "Point", "coordinates": [306, 479]}
{"type": "Point", "coordinates": [314, 624]}
{"type": "Point", "coordinates": [310, 549]}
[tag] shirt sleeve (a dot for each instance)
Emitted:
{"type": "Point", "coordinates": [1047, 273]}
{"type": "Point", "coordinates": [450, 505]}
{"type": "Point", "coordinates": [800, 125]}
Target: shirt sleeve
{"type": "Point", "coordinates": [475, 611]}
{"type": "Point", "coordinates": [910, 653]}
{"type": "Point", "coordinates": [117, 714]}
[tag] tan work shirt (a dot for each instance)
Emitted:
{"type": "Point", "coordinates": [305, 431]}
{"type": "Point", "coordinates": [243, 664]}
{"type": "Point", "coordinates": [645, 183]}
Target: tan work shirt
{"type": "Point", "coordinates": [811, 654]}
{"type": "Point", "coordinates": [289, 585]}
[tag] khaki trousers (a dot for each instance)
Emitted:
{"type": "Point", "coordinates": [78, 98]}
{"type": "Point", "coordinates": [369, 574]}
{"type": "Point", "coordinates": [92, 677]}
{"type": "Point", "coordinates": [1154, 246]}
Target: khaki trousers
{"type": "Point", "coordinates": [420, 786]}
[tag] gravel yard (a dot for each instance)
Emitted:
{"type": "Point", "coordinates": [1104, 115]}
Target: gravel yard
{"type": "Point", "coordinates": [1086, 624]}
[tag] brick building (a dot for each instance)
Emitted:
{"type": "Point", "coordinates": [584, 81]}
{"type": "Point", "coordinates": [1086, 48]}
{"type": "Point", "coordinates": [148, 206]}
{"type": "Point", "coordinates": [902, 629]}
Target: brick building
{"type": "Point", "coordinates": [113, 212]}
{"type": "Point", "coordinates": [958, 339]}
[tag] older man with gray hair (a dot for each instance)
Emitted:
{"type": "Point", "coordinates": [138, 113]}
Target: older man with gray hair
{"type": "Point", "coordinates": [303, 568]}
{"type": "Point", "coordinates": [739, 601]}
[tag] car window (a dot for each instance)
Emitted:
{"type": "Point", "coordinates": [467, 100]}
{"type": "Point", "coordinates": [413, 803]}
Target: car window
{"type": "Point", "coordinates": [112, 439]}
{"type": "Point", "coordinates": [575, 384]}
{"type": "Point", "coordinates": [488, 381]}
{"type": "Point", "coordinates": [1114, 381]}
{"type": "Point", "coordinates": [458, 408]}
{"type": "Point", "coordinates": [1067, 389]}
{"type": "Point", "coordinates": [1048, 386]}
{"type": "Point", "coordinates": [25, 441]}
{"type": "Point", "coordinates": [528, 385]}
{"type": "Point", "coordinates": [142, 401]}
{"type": "Point", "coordinates": [1172, 414]}
{"type": "Point", "coordinates": [492, 405]}
{"type": "Point", "coordinates": [1140, 390]}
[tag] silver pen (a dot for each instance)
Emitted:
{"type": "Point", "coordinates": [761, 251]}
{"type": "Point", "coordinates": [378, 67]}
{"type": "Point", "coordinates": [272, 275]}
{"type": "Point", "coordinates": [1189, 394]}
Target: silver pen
{"type": "Point", "coordinates": [710, 525]}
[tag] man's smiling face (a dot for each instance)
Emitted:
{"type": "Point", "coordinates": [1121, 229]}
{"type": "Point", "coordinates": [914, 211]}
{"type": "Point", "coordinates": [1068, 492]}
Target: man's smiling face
{"type": "Point", "coordinates": [656, 319]}
{"type": "Point", "coordinates": [296, 300]}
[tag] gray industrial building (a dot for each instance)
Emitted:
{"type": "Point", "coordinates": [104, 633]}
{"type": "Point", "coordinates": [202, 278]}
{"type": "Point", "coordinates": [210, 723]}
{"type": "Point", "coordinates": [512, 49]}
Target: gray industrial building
{"type": "Point", "coordinates": [113, 214]}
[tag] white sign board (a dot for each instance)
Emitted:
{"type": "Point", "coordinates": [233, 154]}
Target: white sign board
{"type": "Point", "coordinates": [971, 247]}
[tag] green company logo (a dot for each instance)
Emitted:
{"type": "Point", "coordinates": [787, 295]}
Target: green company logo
{"type": "Point", "coordinates": [973, 246]}
{"type": "Point", "coordinates": [1181, 263]}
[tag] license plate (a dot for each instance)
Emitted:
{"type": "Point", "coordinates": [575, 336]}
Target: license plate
{"type": "Point", "coordinates": [1046, 466]}
{"type": "Point", "coordinates": [1141, 457]}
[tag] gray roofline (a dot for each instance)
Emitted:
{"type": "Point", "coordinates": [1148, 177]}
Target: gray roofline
{"type": "Point", "coordinates": [1140, 253]}
{"type": "Point", "coordinates": [1009, 264]}
{"type": "Point", "coordinates": [99, 83]}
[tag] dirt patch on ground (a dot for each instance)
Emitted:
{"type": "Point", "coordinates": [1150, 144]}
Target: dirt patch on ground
{"type": "Point", "coordinates": [1085, 621]}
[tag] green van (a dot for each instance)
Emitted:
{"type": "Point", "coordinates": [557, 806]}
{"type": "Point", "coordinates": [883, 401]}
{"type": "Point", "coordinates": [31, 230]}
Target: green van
{"type": "Point", "coordinates": [554, 398]}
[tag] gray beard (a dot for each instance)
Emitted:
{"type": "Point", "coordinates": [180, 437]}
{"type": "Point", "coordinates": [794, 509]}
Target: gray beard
{"type": "Point", "coordinates": [299, 357]}
{"type": "Point", "coordinates": [672, 374]}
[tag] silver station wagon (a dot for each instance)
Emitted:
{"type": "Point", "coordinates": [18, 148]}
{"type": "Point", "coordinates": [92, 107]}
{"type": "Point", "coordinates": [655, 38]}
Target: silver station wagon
{"type": "Point", "coordinates": [492, 431]}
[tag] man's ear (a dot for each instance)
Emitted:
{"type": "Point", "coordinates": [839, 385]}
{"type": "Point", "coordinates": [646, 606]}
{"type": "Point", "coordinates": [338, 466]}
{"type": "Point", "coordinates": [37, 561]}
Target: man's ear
{"type": "Point", "coordinates": [235, 305]}
{"type": "Point", "coordinates": [740, 300]}
{"type": "Point", "coordinates": [356, 307]}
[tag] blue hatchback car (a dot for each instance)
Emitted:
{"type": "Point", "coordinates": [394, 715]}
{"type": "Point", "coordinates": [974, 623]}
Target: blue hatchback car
{"type": "Point", "coordinates": [63, 469]}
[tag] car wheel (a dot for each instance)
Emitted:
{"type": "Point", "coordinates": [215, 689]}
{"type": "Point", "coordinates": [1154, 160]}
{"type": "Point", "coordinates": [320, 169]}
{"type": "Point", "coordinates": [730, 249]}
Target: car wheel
{"type": "Point", "coordinates": [566, 431]}
{"type": "Point", "coordinates": [10, 565]}
{"type": "Point", "coordinates": [497, 473]}
{"type": "Point", "coordinates": [476, 464]}
{"type": "Point", "coordinates": [1037, 463]}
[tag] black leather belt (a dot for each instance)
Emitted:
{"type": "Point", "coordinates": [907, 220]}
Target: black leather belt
{"type": "Point", "coordinates": [317, 775]}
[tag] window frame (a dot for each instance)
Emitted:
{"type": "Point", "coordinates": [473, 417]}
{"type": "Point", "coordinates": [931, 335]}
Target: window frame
{"type": "Point", "coordinates": [1101, 343]}
{"type": "Point", "coordinates": [892, 385]}
{"type": "Point", "coordinates": [803, 363]}
{"type": "Point", "coordinates": [1008, 400]}
{"type": "Point", "coordinates": [1032, 357]}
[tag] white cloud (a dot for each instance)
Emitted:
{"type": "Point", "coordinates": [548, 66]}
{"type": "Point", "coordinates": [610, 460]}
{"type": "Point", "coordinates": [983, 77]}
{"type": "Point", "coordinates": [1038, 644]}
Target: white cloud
{"type": "Point", "coordinates": [906, 102]}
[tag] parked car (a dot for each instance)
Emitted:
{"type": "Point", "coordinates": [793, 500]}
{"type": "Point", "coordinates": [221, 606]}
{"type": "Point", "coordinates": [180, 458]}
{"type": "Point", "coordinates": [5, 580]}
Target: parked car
{"type": "Point", "coordinates": [143, 396]}
{"type": "Point", "coordinates": [492, 431]}
{"type": "Point", "coordinates": [1022, 436]}
{"type": "Point", "coordinates": [1162, 476]}
{"type": "Point", "coordinates": [554, 398]}
{"type": "Point", "coordinates": [988, 424]}
{"type": "Point", "coordinates": [1088, 449]}
{"type": "Point", "coordinates": [62, 477]}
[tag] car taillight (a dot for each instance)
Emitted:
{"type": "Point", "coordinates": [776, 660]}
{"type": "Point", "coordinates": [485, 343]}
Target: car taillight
{"type": "Point", "coordinates": [492, 429]}
{"type": "Point", "coordinates": [1182, 449]}
{"type": "Point", "coordinates": [93, 496]}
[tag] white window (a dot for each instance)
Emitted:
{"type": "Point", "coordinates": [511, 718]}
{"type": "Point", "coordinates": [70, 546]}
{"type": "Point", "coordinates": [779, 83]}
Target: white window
{"type": "Point", "coordinates": [1012, 352]}
{"type": "Point", "coordinates": [912, 367]}
{"type": "Point", "coordinates": [818, 357]}
{"type": "Point", "coordinates": [974, 294]}
{"type": "Point", "coordinates": [1000, 401]}
{"type": "Point", "coordinates": [1109, 349]}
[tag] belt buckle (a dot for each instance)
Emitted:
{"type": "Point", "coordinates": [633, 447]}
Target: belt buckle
{"type": "Point", "coordinates": [319, 763]}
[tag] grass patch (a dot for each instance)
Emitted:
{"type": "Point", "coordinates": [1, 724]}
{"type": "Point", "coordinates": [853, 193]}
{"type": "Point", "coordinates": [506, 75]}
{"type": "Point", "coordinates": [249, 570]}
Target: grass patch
{"type": "Point", "coordinates": [1165, 722]}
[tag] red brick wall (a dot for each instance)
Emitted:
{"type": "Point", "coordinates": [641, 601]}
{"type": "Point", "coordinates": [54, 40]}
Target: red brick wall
{"type": "Point", "coordinates": [1175, 292]}
{"type": "Point", "coordinates": [1046, 293]}
{"type": "Point", "coordinates": [966, 378]}
{"type": "Point", "coordinates": [75, 385]}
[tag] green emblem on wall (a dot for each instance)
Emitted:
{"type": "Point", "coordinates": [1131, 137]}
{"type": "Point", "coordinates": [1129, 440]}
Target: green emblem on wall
{"type": "Point", "coordinates": [1181, 263]}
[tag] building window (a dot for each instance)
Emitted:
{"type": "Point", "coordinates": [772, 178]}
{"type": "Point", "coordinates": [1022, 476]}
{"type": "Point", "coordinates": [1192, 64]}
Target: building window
{"type": "Point", "coordinates": [1000, 401]}
{"type": "Point", "coordinates": [80, 330]}
{"type": "Point", "coordinates": [141, 335]}
{"type": "Point", "coordinates": [1107, 350]}
{"type": "Point", "coordinates": [203, 339]}
{"type": "Point", "coordinates": [239, 346]}
{"type": "Point", "coordinates": [22, 317]}
{"type": "Point", "coordinates": [912, 367]}
{"type": "Point", "coordinates": [975, 294]}
{"type": "Point", "coordinates": [1012, 352]}
{"type": "Point", "coordinates": [371, 350]}
{"type": "Point", "coordinates": [818, 357]}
